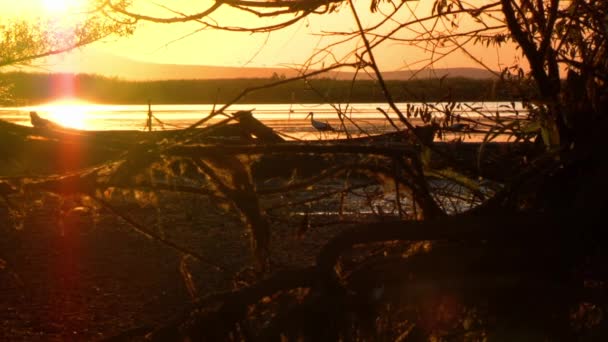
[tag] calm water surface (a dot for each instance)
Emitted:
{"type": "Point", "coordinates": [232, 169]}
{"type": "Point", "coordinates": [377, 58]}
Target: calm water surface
{"type": "Point", "coordinates": [285, 118]}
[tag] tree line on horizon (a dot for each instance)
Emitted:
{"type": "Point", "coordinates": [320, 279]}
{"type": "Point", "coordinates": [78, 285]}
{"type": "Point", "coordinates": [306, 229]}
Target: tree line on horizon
{"type": "Point", "coordinates": [36, 88]}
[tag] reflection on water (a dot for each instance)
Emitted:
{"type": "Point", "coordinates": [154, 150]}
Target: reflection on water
{"type": "Point", "coordinates": [285, 118]}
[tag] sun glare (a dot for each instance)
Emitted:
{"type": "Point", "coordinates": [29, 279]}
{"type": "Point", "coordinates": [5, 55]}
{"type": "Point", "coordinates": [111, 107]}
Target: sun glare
{"type": "Point", "coordinates": [67, 113]}
{"type": "Point", "coordinates": [59, 6]}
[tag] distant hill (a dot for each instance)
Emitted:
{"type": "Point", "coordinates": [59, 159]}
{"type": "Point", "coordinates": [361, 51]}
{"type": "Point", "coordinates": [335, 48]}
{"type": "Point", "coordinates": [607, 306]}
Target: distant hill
{"type": "Point", "coordinates": [114, 66]}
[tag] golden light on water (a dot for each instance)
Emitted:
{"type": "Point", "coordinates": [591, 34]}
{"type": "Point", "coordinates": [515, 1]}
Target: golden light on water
{"type": "Point", "coordinates": [71, 113]}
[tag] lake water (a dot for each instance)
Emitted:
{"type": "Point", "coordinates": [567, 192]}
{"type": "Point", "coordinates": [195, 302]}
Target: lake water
{"type": "Point", "coordinates": [285, 118]}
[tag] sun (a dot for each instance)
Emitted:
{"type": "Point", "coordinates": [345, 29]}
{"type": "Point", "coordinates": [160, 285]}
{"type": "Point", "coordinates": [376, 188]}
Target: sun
{"type": "Point", "coordinates": [69, 113]}
{"type": "Point", "coordinates": [60, 6]}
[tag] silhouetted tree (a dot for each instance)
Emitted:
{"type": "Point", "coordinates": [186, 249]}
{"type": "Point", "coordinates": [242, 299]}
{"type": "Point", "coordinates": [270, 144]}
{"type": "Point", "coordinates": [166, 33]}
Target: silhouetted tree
{"type": "Point", "coordinates": [525, 259]}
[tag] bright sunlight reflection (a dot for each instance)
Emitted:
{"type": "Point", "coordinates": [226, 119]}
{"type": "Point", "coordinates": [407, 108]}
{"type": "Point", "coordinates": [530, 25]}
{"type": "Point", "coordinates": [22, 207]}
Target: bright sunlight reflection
{"type": "Point", "coordinates": [70, 113]}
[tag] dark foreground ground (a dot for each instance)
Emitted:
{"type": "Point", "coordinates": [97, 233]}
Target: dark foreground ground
{"type": "Point", "coordinates": [97, 277]}
{"type": "Point", "coordinates": [94, 280]}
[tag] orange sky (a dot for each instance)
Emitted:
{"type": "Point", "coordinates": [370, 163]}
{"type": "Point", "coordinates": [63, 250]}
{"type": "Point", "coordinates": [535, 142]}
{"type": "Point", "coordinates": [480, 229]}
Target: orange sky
{"type": "Point", "coordinates": [161, 43]}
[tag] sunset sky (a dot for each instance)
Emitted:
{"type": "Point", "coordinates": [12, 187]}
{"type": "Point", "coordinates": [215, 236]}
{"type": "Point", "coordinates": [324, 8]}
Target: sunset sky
{"type": "Point", "coordinates": [177, 44]}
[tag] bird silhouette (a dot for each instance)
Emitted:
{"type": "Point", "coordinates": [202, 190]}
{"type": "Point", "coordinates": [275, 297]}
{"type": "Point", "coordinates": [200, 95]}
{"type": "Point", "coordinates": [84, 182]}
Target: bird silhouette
{"type": "Point", "coordinates": [39, 122]}
{"type": "Point", "coordinates": [319, 125]}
